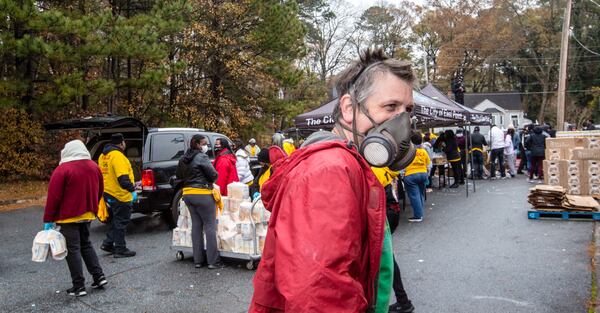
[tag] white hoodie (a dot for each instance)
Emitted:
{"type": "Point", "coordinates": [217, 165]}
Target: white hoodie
{"type": "Point", "coordinates": [496, 138]}
{"type": "Point", "coordinates": [74, 150]}
{"type": "Point", "coordinates": [243, 166]}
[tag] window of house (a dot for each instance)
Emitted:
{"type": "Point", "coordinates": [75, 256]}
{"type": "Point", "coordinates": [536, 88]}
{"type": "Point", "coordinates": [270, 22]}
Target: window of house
{"type": "Point", "coordinates": [515, 120]}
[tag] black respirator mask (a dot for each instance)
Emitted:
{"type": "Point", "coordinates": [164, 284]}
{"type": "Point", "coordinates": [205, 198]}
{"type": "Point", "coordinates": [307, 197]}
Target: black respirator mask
{"type": "Point", "coordinates": [388, 144]}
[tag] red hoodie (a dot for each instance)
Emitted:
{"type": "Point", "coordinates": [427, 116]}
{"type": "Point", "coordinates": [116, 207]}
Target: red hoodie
{"type": "Point", "coordinates": [323, 248]}
{"type": "Point", "coordinates": [75, 188]}
{"type": "Point", "coordinates": [225, 165]}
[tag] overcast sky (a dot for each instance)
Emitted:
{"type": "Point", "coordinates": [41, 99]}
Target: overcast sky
{"type": "Point", "coordinates": [363, 4]}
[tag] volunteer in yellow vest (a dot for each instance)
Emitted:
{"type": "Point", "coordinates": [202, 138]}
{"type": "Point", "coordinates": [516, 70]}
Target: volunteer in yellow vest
{"type": "Point", "coordinates": [288, 146]}
{"type": "Point", "coordinates": [199, 175]}
{"type": "Point", "coordinates": [119, 194]}
{"type": "Point", "coordinates": [415, 178]}
{"type": "Point", "coordinates": [252, 149]}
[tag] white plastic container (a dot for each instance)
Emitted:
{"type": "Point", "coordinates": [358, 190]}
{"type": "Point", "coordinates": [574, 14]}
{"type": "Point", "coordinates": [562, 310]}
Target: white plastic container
{"type": "Point", "coordinates": [237, 190]}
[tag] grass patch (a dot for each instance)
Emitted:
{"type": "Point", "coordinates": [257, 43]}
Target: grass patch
{"type": "Point", "coordinates": [29, 191]}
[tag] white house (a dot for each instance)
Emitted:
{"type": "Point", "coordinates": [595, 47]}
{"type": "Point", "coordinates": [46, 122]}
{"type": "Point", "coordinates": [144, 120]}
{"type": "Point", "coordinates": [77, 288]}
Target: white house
{"type": "Point", "coordinates": [506, 107]}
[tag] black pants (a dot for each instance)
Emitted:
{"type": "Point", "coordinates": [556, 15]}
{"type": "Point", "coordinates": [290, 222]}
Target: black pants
{"type": "Point", "coordinates": [77, 236]}
{"type": "Point", "coordinates": [401, 296]}
{"type": "Point", "coordinates": [204, 221]}
{"type": "Point", "coordinates": [458, 173]}
{"type": "Point", "coordinates": [477, 170]}
{"type": "Point", "coordinates": [497, 154]}
{"type": "Point", "coordinates": [463, 162]}
{"type": "Point", "coordinates": [440, 169]}
{"type": "Point", "coordinates": [120, 216]}
{"type": "Point", "coordinates": [523, 162]}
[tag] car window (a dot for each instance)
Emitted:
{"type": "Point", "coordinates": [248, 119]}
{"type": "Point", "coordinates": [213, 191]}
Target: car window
{"type": "Point", "coordinates": [167, 147]}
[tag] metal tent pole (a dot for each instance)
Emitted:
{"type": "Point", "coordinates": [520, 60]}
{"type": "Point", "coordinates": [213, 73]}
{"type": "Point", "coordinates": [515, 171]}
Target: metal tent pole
{"type": "Point", "coordinates": [465, 176]}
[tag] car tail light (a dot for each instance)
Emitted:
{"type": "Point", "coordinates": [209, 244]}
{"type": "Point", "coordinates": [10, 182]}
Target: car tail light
{"type": "Point", "coordinates": [148, 183]}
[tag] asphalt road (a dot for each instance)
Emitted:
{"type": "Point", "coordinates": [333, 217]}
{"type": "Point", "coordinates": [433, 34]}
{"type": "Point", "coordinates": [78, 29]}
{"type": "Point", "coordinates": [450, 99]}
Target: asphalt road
{"type": "Point", "coordinates": [479, 254]}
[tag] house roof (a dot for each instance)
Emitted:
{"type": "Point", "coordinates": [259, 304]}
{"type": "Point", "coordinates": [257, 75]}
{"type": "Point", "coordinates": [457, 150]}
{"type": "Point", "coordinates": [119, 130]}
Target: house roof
{"type": "Point", "coordinates": [510, 100]}
{"type": "Point", "coordinates": [492, 110]}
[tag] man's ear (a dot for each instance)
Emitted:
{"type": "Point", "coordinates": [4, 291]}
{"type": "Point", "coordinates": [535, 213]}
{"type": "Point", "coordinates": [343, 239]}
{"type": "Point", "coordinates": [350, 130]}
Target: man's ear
{"type": "Point", "coordinates": [346, 109]}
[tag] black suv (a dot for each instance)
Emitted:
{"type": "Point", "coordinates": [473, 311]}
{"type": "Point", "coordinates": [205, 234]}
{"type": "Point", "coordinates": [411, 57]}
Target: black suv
{"type": "Point", "coordinates": [153, 153]}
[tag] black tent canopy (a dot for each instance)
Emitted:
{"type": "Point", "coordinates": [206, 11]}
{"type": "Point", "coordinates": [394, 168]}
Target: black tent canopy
{"type": "Point", "coordinates": [429, 112]}
{"type": "Point", "coordinates": [474, 117]}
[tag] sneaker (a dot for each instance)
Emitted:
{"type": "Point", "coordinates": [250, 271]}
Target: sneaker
{"type": "Point", "coordinates": [110, 249]}
{"type": "Point", "coordinates": [77, 292]}
{"type": "Point", "coordinates": [455, 185]}
{"type": "Point", "coordinates": [216, 266]}
{"type": "Point", "coordinates": [493, 178]}
{"type": "Point", "coordinates": [540, 181]}
{"type": "Point", "coordinates": [415, 219]}
{"type": "Point", "coordinates": [504, 177]}
{"type": "Point", "coordinates": [199, 265]}
{"type": "Point", "coordinates": [531, 181]}
{"type": "Point", "coordinates": [100, 282]}
{"type": "Point", "coordinates": [401, 308]}
{"type": "Point", "coordinates": [123, 253]}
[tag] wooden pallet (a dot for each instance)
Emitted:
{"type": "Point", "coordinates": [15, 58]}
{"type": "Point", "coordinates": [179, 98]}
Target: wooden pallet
{"type": "Point", "coordinates": [565, 215]}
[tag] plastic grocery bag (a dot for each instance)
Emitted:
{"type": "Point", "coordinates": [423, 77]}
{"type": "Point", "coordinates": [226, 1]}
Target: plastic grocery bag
{"type": "Point", "coordinates": [58, 245]}
{"type": "Point", "coordinates": [40, 248]}
{"type": "Point", "coordinates": [48, 241]}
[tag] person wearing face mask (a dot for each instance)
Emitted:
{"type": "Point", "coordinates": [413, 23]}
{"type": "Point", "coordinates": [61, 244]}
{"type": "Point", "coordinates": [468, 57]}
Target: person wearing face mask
{"type": "Point", "coordinates": [198, 176]}
{"type": "Point", "coordinates": [225, 164]}
{"type": "Point", "coordinates": [328, 248]}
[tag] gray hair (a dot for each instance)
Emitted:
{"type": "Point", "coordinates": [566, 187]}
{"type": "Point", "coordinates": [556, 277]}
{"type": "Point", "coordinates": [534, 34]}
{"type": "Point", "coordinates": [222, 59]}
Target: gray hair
{"type": "Point", "coordinates": [358, 79]}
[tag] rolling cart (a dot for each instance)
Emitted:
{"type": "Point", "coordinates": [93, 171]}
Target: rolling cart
{"type": "Point", "coordinates": [251, 258]}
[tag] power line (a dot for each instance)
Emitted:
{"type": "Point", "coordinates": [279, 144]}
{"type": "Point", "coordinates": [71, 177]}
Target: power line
{"type": "Point", "coordinates": [594, 2]}
{"type": "Point", "coordinates": [528, 93]}
{"type": "Point", "coordinates": [518, 58]}
{"type": "Point", "coordinates": [582, 45]}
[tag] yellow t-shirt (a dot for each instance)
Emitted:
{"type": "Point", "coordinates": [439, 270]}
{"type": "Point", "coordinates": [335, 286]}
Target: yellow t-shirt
{"type": "Point", "coordinates": [419, 164]}
{"type": "Point", "coordinates": [114, 165]}
{"type": "Point", "coordinates": [384, 175]}
{"type": "Point", "coordinates": [252, 151]}
{"type": "Point", "coordinates": [264, 177]}
{"type": "Point", "coordinates": [288, 147]}
{"type": "Point", "coordinates": [87, 216]}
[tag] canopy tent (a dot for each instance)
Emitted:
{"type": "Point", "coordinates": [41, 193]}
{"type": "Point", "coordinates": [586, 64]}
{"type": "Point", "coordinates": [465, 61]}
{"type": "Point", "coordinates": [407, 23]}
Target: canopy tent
{"type": "Point", "coordinates": [428, 111]}
{"type": "Point", "coordinates": [474, 117]}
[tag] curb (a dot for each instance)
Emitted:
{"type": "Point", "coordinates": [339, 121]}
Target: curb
{"type": "Point", "coordinates": [18, 201]}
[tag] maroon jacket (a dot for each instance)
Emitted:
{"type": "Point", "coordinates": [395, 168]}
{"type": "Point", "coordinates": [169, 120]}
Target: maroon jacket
{"type": "Point", "coordinates": [75, 188]}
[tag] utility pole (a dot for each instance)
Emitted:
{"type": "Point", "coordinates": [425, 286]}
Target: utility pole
{"type": "Point", "coordinates": [562, 76]}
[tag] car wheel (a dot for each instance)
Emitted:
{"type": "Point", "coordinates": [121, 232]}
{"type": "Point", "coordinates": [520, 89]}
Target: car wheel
{"type": "Point", "coordinates": [172, 215]}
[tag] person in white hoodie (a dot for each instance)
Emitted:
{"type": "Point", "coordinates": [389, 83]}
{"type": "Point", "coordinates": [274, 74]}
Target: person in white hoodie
{"type": "Point", "coordinates": [509, 151]}
{"type": "Point", "coordinates": [243, 163]}
{"type": "Point", "coordinates": [497, 145]}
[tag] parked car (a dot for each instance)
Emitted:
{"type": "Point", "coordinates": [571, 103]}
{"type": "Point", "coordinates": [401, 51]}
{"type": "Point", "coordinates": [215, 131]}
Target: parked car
{"type": "Point", "coordinates": [153, 152]}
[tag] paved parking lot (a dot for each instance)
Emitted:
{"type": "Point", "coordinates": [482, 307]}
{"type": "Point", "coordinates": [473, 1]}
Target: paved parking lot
{"type": "Point", "coordinates": [479, 254]}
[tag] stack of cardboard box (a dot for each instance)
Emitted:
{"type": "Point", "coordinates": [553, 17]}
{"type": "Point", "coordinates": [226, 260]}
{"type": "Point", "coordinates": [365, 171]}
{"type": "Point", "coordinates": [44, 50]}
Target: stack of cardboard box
{"type": "Point", "coordinates": [574, 164]}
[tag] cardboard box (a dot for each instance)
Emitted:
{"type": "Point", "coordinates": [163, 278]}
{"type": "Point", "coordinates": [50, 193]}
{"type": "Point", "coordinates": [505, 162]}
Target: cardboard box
{"type": "Point", "coordinates": [591, 167]}
{"type": "Point", "coordinates": [555, 154]}
{"type": "Point", "coordinates": [593, 143]}
{"type": "Point", "coordinates": [554, 180]}
{"type": "Point", "coordinates": [571, 167]}
{"type": "Point", "coordinates": [592, 189]}
{"type": "Point", "coordinates": [584, 154]}
{"type": "Point", "coordinates": [553, 167]}
{"type": "Point", "coordinates": [559, 143]}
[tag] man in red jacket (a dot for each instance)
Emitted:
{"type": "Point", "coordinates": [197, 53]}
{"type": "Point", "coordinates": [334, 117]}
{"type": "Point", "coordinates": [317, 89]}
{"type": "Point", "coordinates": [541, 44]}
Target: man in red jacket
{"type": "Point", "coordinates": [73, 194]}
{"type": "Point", "coordinates": [328, 248]}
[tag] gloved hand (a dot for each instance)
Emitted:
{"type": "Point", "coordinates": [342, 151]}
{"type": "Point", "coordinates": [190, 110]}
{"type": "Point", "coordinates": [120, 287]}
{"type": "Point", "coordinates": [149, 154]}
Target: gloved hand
{"type": "Point", "coordinates": [48, 226]}
{"type": "Point", "coordinates": [255, 195]}
{"type": "Point", "coordinates": [134, 196]}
